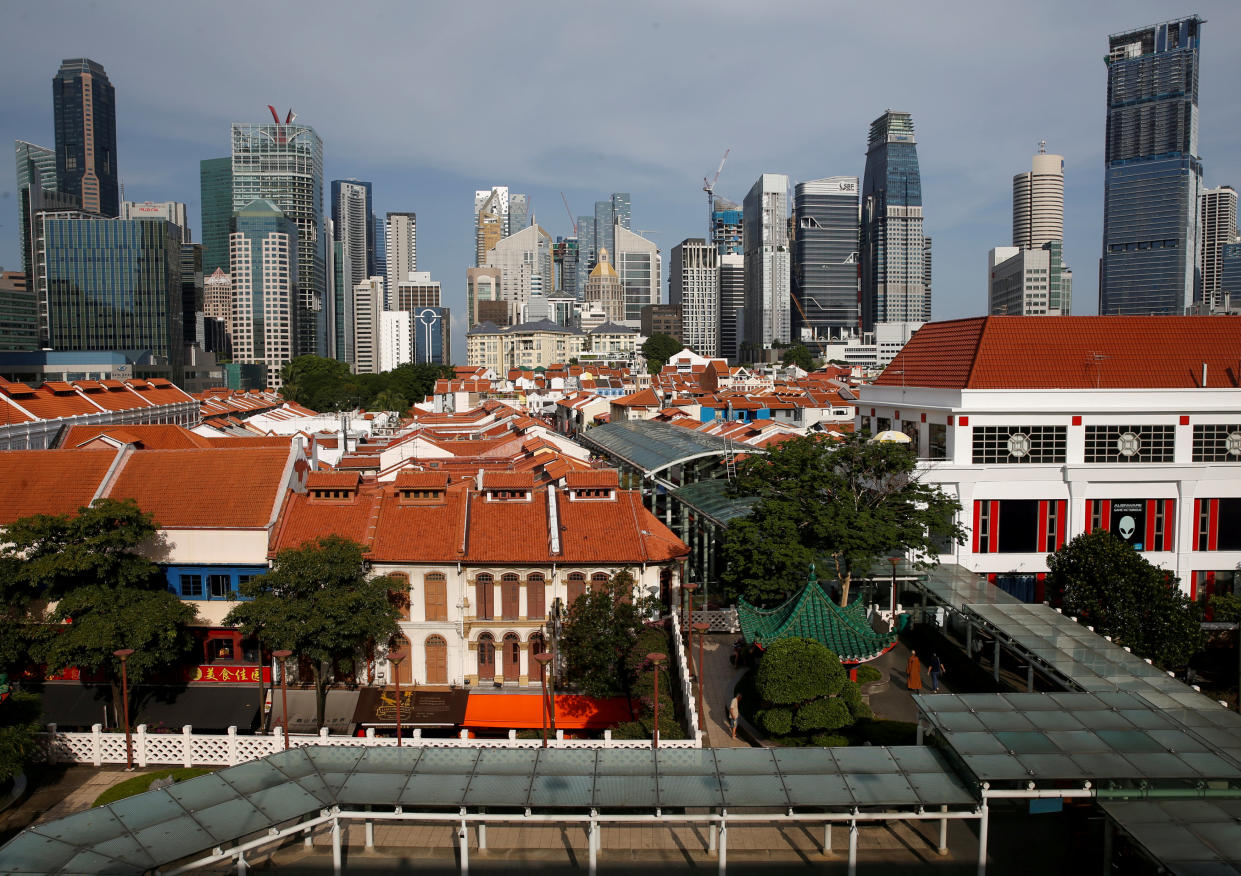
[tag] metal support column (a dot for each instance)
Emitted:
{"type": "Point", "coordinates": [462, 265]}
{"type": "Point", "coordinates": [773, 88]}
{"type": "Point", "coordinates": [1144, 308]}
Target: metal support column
{"type": "Point", "coordinates": [482, 836]}
{"type": "Point", "coordinates": [921, 732]}
{"type": "Point", "coordinates": [463, 844]}
{"type": "Point", "coordinates": [982, 840]}
{"type": "Point", "coordinates": [827, 838]}
{"type": "Point", "coordinates": [370, 831]}
{"type": "Point", "coordinates": [242, 868]}
{"type": "Point", "coordinates": [996, 668]}
{"type": "Point", "coordinates": [943, 833]}
{"type": "Point", "coordinates": [1109, 835]}
{"type": "Point", "coordinates": [337, 862]}
{"type": "Point", "coordinates": [853, 837]}
{"type": "Point", "coordinates": [723, 843]}
{"type": "Point", "coordinates": [592, 838]}
{"type": "Point", "coordinates": [711, 845]}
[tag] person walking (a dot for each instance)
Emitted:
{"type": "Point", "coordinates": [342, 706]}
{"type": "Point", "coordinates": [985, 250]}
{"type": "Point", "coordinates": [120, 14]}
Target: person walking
{"type": "Point", "coordinates": [913, 673]}
{"type": "Point", "coordinates": [734, 714]}
{"type": "Point", "coordinates": [936, 668]}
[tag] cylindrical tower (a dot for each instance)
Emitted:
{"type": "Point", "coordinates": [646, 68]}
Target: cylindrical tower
{"type": "Point", "coordinates": [1038, 202]}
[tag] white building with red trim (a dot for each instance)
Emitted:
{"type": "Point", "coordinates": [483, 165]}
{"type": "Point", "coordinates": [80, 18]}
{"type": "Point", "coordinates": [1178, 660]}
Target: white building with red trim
{"type": "Point", "coordinates": [1045, 428]}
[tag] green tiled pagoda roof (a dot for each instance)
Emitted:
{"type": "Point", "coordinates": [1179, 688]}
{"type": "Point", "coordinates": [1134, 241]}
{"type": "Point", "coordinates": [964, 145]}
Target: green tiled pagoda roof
{"type": "Point", "coordinates": [811, 614]}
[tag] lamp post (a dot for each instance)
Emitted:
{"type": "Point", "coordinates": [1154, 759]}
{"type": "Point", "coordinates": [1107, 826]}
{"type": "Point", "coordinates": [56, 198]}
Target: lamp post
{"type": "Point", "coordinates": [283, 655]}
{"type": "Point", "coordinates": [689, 589]}
{"type": "Point", "coordinates": [123, 654]}
{"type": "Point", "coordinates": [701, 628]}
{"type": "Point", "coordinates": [544, 658]}
{"type": "Point", "coordinates": [895, 561]}
{"type": "Point", "coordinates": [656, 658]}
{"type": "Point", "coordinates": [395, 660]}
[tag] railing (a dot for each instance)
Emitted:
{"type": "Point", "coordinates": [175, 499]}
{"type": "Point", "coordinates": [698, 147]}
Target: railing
{"type": "Point", "coordinates": [722, 620]}
{"type": "Point", "coordinates": [190, 749]}
{"type": "Point", "coordinates": [692, 721]}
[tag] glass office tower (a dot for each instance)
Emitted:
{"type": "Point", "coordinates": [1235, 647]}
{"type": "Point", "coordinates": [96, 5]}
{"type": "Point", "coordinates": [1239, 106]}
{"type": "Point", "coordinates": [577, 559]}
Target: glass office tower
{"type": "Point", "coordinates": [892, 245]}
{"type": "Point", "coordinates": [215, 189]}
{"type": "Point", "coordinates": [114, 284]}
{"type": "Point", "coordinates": [1151, 255]}
{"type": "Point", "coordinates": [84, 104]}
{"type": "Point", "coordinates": [825, 299]}
{"type": "Point", "coordinates": [283, 162]}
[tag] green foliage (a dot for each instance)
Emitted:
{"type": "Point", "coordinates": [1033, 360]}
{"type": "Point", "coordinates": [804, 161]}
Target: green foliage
{"type": "Point", "coordinates": [658, 349]}
{"type": "Point", "coordinates": [599, 634]}
{"type": "Point", "coordinates": [139, 784]}
{"type": "Point", "coordinates": [867, 674]}
{"type": "Point", "coordinates": [794, 671]}
{"type": "Point", "coordinates": [777, 721]}
{"type": "Point", "coordinates": [326, 385]}
{"type": "Point", "coordinates": [1226, 607]}
{"type": "Point", "coordinates": [829, 740]}
{"type": "Point", "coordinates": [798, 355]}
{"type": "Point", "coordinates": [19, 724]}
{"type": "Point", "coordinates": [843, 503]}
{"type": "Point", "coordinates": [318, 602]}
{"type": "Point", "coordinates": [822, 714]}
{"type": "Point", "coordinates": [1121, 594]}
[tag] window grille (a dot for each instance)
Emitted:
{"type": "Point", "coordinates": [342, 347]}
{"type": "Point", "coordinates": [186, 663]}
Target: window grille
{"type": "Point", "coordinates": [1019, 444]}
{"type": "Point", "coordinates": [1217, 443]}
{"type": "Point", "coordinates": [1141, 444]}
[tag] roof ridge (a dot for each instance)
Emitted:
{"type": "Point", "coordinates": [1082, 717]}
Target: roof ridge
{"type": "Point", "coordinates": [982, 330]}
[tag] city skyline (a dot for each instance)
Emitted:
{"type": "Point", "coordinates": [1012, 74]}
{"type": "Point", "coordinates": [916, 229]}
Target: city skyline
{"type": "Point", "coordinates": [422, 161]}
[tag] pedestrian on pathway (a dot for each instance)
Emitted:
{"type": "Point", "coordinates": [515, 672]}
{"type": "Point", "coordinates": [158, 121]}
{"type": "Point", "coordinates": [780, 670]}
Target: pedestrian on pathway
{"type": "Point", "coordinates": [734, 713]}
{"type": "Point", "coordinates": [913, 673]}
{"type": "Point", "coordinates": [937, 669]}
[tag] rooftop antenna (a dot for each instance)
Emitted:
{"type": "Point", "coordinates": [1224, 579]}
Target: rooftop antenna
{"type": "Point", "coordinates": [1096, 359]}
{"type": "Point", "coordinates": [1042, 147]}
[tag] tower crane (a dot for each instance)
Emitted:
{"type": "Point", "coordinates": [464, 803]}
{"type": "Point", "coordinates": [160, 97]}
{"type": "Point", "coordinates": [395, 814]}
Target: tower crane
{"type": "Point", "coordinates": [572, 221]}
{"type": "Point", "coordinates": [708, 186]}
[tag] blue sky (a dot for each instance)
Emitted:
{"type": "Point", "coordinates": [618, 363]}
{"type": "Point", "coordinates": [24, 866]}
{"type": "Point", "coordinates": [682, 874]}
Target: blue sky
{"type": "Point", "coordinates": [431, 101]}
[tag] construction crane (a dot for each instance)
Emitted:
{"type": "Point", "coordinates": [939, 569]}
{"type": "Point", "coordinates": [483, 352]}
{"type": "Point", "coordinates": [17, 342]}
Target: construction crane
{"type": "Point", "coordinates": [708, 186]}
{"type": "Point", "coordinates": [572, 221]}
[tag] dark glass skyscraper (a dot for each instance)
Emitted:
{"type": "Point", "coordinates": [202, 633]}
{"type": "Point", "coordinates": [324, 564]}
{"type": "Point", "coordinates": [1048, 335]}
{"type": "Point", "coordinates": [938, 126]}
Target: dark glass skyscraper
{"type": "Point", "coordinates": [1151, 259]}
{"type": "Point", "coordinates": [892, 245]}
{"type": "Point", "coordinates": [114, 284]}
{"type": "Point", "coordinates": [215, 187]}
{"type": "Point", "coordinates": [825, 213]}
{"type": "Point", "coordinates": [84, 105]}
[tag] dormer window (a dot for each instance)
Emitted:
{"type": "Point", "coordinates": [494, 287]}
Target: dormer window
{"type": "Point", "coordinates": [420, 496]}
{"type": "Point", "coordinates": [508, 496]}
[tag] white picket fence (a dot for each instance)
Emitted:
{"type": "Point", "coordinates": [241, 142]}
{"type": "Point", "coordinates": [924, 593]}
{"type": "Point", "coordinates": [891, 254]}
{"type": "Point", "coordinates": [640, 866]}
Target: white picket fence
{"type": "Point", "coordinates": [722, 620]}
{"type": "Point", "coordinates": [693, 722]}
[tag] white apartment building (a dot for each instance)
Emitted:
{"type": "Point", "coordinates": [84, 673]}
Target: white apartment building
{"type": "Point", "coordinates": [525, 263]}
{"type": "Point", "coordinates": [263, 254]}
{"type": "Point", "coordinates": [396, 339]}
{"type": "Point", "coordinates": [694, 287]}
{"type": "Point", "coordinates": [368, 305]}
{"type": "Point", "coordinates": [1046, 429]}
{"type": "Point", "coordinates": [1029, 282]}
{"type": "Point", "coordinates": [639, 266]}
{"type": "Point", "coordinates": [1217, 223]}
{"type": "Point", "coordinates": [417, 289]}
{"type": "Point", "coordinates": [400, 247]}
{"type": "Point", "coordinates": [767, 262]}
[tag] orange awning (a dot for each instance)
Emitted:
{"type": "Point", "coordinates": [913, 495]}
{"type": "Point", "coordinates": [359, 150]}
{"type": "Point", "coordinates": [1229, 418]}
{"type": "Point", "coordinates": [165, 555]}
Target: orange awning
{"type": "Point", "coordinates": [525, 711]}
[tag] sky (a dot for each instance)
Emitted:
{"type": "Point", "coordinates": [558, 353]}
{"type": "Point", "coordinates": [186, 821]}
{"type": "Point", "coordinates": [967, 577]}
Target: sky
{"type": "Point", "coordinates": [431, 101]}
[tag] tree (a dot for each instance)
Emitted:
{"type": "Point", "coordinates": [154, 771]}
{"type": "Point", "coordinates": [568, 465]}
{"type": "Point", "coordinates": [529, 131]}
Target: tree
{"type": "Point", "coordinates": [320, 384]}
{"type": "Point", "coordinates": [602, 627]}
{"type": "Point", "coordinates": [416, 381]}
{"type": "Point", "coordinates": [798, 355]}
{"type": "Point", "coordinates": [658, 349]}
{"type": "Point", "coordinates": [19, 728]}
{"type": "Point", "coordinates": [841, 503]}
{"type": "Point", "coordinates": [318, 603]}
{"type": "Point", "coordinates": [1121, 594]}
{"type": "Point", "coordinates": [804, 689]}
{"type": "Point", "coordinates": [389, 400]}
{"type": "Point", "coordinates": [107, 596]}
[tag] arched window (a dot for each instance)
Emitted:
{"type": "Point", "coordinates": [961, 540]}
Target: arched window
{"type": "Point", "coordinates": [398, 592]}
{"type": "Point", "coordinates": [485, 596]}
{"type": "Point", "coordinates": [512, 657]}
{"type": "Point", "coordinates": [486, 657]}
{"type": "Point", "coordinates": [599, 582]}
{"type": "Point", "coordinates": [536, 598]}
{"type": "Point", "coordinates": [435, 596]}
{"type": "Point", "coordinates": [437, 660]}
{"type": "Point", "coordinates": [576, 587]}
{"type": "Point", "coordinates": [400, 648]}
{"type": "Point", "coordinates": [510, 596]}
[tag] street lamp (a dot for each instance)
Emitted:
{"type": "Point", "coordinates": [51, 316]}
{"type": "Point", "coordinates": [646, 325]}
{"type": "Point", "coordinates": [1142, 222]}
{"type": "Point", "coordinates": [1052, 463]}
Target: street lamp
{"type": "Point", "coordinates": [689, 589]}
{"type": "Point", "coordinates": [544, 658]}
{"type": "Point", "coordinates": [282, 655]}
{"type": "Point", "coordinates": [701, 627]}
{"type": "Point", "coordinates": [395, 660]}
{"type": "Point", "coordinates": [895, 561]}
{"type": "Point", "coordinates": [124, 653]}
{"type": "Point", "coordinates": [656, 658]}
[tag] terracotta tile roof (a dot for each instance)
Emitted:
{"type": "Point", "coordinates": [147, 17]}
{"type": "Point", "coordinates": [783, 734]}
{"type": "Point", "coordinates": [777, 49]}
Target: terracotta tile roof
{"type": "Point", "coordinates": [212, 489]}
{"type": "Point", "coordinates": [10, 412]}
{"type": "Point", "coordinates": [147, 437]}
{"type": "Point", "coordinates": [597, 477]}
{"type": "Point", "coordinates": [358, 462]}
{"type": "Point", "coordinates": [421, 480]}
{"type": "Point", "coordinates": [508, 480]}
{"type": "Point", "coordinates": [642, 398]}
{"type": "Point", "coordinates": [49, 481]}
{"type": "Point", "coordinates": [333, 480]}
{"type": "Point", "coordinates": [1071, 352]}
{"type": "Point", "coordinates": [303, 520]}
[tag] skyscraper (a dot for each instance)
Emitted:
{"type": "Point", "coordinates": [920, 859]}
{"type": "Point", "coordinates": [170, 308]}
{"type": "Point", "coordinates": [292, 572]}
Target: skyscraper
{"type": "Point", "coordinates": [265, 259]}
{"type": "Point", "coordinates": [1038, 201]}
{"type": "Point", "coordinates": [767, 263]}
{"type": "Point", "coordinates": [1151, 245]}
{"type": "Point", "coordinates": [639, 265]}
{"type": "Point", "coordinates": [694, 288]}
{"type": "Point", "coordinates": [726, 225]}
{"type": "Point", "coordinates": [36, 192]}
{"type": "Point", "coordinates": [732, 305]}
{"type": "Point", "coordinates": [490, 220]}
{"type": "Point", "coordinates": [368, 304]}
{"type": "Point", "coordinates": [113, 284]}
{"type": "Point", "coordinates": [587, 250]}
{"type": "Point", "coordinates": [566, 255]}
{"type": "Point", "coordinates": [603, 288]}
{"type": "Point", "coordinates": [401, 247]}
{"type": "Point", "coordinates": [84, 104]}
{"type": "Point", "coordinates": [892, 249]}
{"type": "Point", "coordinates": [170, 211]}
{"type": "Point", "coordinates": [215, 189]}
{"type": "Point", "coordinates": [825, 298]}
{"type": "Point", "coordinates": [1218, 223]}
{"type": "Point", "coordinates": [283, 162]}
{"type": "Point", "coordinates": [526, 268]}
{"type": "Point", "coordinates": [620, 209]}
{"type": "Point", "coordinates": [351, 228]}
{"type": "Point", "coordinates": [518, 213]}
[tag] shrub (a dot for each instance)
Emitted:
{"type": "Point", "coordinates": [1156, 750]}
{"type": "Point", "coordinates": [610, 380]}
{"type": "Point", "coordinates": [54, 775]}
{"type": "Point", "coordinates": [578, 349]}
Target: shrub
{"type": "Point", "coordinates": [795, 670]}
{"type": "Point", "coordinates": [777, 721]}
{"type": "Point", "coordinates": [828, 740]}
{"type": "Point", "coordinates": [868, 674]}
{"type": "Point", "coordinates": [822, 714]}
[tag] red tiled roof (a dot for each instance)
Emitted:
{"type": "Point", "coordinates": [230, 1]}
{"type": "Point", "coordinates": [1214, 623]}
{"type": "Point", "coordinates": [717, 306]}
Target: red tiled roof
{"type": "Point", "coordinates": [598, 477]}
{"type": "Point", "coordinates": [1071, 352]}
{"type": "Point", "coordinates": [148, 437]}
{"type": "Point", "coordinates": [222, 488]}
{"type": "Point", "coordinates": [508, 480]}
{"type": "Point", "coordinates": [358, 462]}
{"type": "Point", "coordinates": [409, 479]}
{"type": "Point", "coordinates": [332, 480]}
{"type": "Point", "coordinates": [49, 481]}
{"type": "Point", "coordinates": [642, 398]}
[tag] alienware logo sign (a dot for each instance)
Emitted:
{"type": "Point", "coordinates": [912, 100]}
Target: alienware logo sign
{"type": "Point", "coordinates": [1127, 525]}
{"type": "Point", "coordinates": [1129, 521]}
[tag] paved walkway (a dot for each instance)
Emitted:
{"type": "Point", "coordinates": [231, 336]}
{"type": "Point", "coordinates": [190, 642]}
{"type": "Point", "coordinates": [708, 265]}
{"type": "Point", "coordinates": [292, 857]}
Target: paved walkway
{"type": "Point", "coordinates": [720, 678]}
{"type": "Point", "coordinates": [58, 792]}
{"type": "Point", "coordinates": [894, 701]}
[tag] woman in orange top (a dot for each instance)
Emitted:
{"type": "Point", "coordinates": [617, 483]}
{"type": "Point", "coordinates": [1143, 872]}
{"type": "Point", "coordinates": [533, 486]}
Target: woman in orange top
{"type": "Point", "coordinates": [913, 671]}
